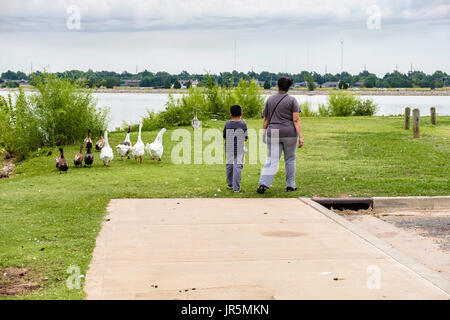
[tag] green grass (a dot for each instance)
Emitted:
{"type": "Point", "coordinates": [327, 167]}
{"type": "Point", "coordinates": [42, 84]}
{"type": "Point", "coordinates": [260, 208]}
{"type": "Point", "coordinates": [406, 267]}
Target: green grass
{"type": "Point", "coordinates": [50, 221]}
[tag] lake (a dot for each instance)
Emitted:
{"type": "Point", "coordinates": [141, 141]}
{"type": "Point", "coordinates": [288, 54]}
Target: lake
{"type": "Point", "coordinates": [131, 107]}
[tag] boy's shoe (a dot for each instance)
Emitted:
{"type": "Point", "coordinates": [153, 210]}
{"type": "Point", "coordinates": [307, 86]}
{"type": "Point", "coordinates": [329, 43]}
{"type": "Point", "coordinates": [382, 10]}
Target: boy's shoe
{"type": "Point", "coordinates": [289, 189]}
{"type": "Point", "coordinates": [230, 187]}
{"type": "Point", "coordinates": [261, 189]}
{"type": "Point", "coordinates": [237, 191]}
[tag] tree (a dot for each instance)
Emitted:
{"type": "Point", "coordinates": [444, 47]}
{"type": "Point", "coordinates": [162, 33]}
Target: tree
{"type": "Point", "coordinates": [146, 82]}
{"type": "Point", "coordinates": [343, 85]}
{"type": "Point", "coordinates": [310, 82]}
{"type": "Point", "coordinates": [267, 85]}
{"type": "Point", "coordinates": [177, 85]}
{"type": "Point", "coordinates": [167, 84]}
{"type": "Point", "coordinates": [111, 82]}
{"type": "Point", "coordinates": [189, 84]}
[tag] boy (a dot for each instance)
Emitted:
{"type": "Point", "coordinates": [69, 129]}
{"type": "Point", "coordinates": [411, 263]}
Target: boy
{"type": "Point", "coordinates": [235, 135]}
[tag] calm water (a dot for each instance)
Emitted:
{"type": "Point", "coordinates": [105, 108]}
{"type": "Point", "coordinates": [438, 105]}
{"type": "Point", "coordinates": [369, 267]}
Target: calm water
{"type": "Point", "coordinates": [131, 107]}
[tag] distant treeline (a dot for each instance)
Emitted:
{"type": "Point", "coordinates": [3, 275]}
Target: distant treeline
{"type": "Point", "coordinates": [109, 79]}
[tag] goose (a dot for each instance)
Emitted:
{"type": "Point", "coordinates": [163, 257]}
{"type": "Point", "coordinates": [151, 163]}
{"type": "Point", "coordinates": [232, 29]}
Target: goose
{"type": "Point", "coordinates": [107, 153]}
{"type": "Point", "coordinates": [78, 160]}
{"type": "Point", "coordinates": [195, 121]}
{"type": "Point", "coordinates": [138, 149]}
{"type": "Point", "coordinates": [89, 157]}
{"type": "Point", "coordinates": [156, 148]}
{"type": "Point", "coordinates": [88, 138]}
{"type": "Point", "coordinates": [100, 143]}
{"type": "Point", "coordinates": [61, 162]}
{"type": "Point", "coordinates": [124, 147]}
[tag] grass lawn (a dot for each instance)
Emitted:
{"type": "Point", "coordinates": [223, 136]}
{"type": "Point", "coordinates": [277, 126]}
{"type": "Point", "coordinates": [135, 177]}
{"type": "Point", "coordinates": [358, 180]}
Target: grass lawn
{"type": "Point", "coordinates": [50, 221]}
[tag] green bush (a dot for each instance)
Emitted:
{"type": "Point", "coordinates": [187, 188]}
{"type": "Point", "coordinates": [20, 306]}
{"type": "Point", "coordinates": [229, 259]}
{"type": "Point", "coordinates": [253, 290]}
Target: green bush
{"type": "Point", "coordinates": [61, 112]}
{"type": "Point", "coordinates": [365, 108]}
{"type": "Point", "coordinates": [20, 132]}
{"type": "Point", "coordinates": [210, 101]}
{"type": "Point", "coordinates": [344, 104]}
{"type": "Point", "coordinates": [248, 96]}
{"type": "Point", "coordinates": [324, 110]}
{"type": "Point", "coordinates": [306, 110]}
{"type": "Point", "coordinates": [65, 110]}
{"type": "Point", "coordinates": [341, 103]}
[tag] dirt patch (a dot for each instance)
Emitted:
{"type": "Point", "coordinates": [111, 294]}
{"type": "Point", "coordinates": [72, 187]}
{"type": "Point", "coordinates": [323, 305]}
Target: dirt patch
{"type": "Point", "coordinates": [15, 281]}
{"type": "Point", "coordinates": [348, 212]}
{"type": "Point", "coordinates": [8, 168]}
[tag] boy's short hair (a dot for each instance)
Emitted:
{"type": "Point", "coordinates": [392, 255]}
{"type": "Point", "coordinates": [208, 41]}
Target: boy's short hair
{"type": "Point", "coordinates": [284, 83]}
{"type": "Point", "coordinates": [236, 110]}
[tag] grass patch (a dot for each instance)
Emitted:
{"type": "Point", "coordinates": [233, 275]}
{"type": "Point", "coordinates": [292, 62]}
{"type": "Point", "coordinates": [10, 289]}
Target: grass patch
{"type": "Point", "coordinates": [51, 220]}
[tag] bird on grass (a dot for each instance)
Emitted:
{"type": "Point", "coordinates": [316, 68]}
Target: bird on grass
{"type": "Point", "coordinates": [106, 154]}
{"type": "Point", "coordinates": [89, 157]}
{"type": "Point", "coordinates": [195, 122]}
{"type": "Point", "coordinates": [78, 160]}
{"type": "Point", "coordinates": [138, 149]}
{"type": "Point", "coordinates": [124, 147]}
{"type": "Point", "coordinates": [100, 143]}
{"type": "Point", "coordinates": [88, 138]}
{"type": "Point", "coordinates": [61, 163]}
{"type": "Point", "coordinates": [156, 148]}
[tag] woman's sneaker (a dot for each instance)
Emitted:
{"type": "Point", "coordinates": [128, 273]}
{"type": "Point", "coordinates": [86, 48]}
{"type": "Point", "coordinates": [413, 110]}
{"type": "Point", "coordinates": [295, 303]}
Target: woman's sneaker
{"type": "Point", "coordinates": [289, 189]}
{"type": "Point", "coordinates": [261, 189]}
{"type": "Point", "coordinates": [230, 187]}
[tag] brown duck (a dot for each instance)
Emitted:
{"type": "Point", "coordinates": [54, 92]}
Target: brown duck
{"type": "Point", "coordinates": [88, 139]}
{"type": "Point", "coordinates": [100, 143]}
{"type": "Point", "coordinates": [61, 162]}
{"type": "Point", "coordinates": [78, 160]}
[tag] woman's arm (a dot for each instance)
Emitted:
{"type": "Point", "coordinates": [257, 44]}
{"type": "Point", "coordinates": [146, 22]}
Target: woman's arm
{"type": "Point", "coordinates": [298, 127]}
{"type": "Point", "coordinates": [265, 122]}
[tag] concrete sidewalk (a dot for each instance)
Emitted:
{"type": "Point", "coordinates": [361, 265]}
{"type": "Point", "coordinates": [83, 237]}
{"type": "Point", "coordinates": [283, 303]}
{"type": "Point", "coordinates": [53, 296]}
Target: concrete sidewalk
{"type": "Point", "coordinates": [240, 249]}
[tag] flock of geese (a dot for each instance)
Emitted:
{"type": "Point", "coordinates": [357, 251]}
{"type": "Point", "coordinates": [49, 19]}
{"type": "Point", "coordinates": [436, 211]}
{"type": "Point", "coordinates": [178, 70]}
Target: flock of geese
{"type": "Point", "coordinates": [124, 149]}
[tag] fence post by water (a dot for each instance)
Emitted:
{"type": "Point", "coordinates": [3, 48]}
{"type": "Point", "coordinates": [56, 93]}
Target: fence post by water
{"type": "Point", "coordinates": [407, 115]}
{"type": "Point", "coordinates": [433, 115]}
{"type": "Point", "coordinates": [416, 123]}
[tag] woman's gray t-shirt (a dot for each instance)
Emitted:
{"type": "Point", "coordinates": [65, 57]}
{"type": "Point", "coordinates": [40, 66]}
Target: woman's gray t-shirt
{"type": "Point", "coordinates": [282, 117]}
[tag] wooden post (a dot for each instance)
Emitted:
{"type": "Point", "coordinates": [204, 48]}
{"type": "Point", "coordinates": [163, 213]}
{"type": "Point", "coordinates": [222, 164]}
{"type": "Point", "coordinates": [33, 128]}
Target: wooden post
{"type": "Point", "coordinates": [433, 115]}
{"type": "Point", "coordinates": [416, 123]}
{"type": "Point", "coordinates": [407, 115]}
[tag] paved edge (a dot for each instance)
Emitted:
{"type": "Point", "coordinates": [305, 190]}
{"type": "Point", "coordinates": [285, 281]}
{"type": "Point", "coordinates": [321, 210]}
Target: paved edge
{"type": "Point", "coordinates": [400, 258]}
{"type": "Point", "coordinates": [439, 202]}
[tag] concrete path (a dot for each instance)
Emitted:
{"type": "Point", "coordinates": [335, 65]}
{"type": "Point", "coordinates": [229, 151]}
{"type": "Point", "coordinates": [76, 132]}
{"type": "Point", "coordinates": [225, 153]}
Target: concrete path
{"type": "Point", "coordinates": [240, 249]}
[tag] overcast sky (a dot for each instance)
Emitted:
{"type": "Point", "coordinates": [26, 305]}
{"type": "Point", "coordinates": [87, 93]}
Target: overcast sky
{"type": "Point", "coordinates": [199, 35]}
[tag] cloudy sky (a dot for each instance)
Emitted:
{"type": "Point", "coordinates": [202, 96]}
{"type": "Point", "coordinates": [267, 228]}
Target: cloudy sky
{"type": "Point", "coordinates": [219, 35]}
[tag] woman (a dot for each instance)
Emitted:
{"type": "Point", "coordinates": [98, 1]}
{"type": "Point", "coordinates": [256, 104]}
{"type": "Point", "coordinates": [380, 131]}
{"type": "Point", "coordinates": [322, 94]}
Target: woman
{"type": "Point", "coordinates": [282, 127]}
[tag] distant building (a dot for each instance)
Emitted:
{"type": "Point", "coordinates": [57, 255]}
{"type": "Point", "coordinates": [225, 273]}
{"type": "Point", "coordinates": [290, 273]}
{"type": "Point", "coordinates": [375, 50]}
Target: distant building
{"type": "Point", "coordinates": [184, 83]}
{"type": "Point", "coordinates": [303, 84]}
{"type": "Point", "coordinates": [132, 83]}
{"type": "Point", "coordinates": [330, 84]}
{"type": "Point", "coordinates": [358, 84]}
{"type": "Point", "coordinates": [21, 81]}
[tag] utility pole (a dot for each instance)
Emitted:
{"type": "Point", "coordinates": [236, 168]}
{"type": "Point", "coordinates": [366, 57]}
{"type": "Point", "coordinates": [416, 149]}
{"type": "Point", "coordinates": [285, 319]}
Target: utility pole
{"type": "Point", "coordinates": [326, 71]}
{"type": "Point", "coordinates": [342, 56]}
{"type": "Point", "coordinates": [235, 56]}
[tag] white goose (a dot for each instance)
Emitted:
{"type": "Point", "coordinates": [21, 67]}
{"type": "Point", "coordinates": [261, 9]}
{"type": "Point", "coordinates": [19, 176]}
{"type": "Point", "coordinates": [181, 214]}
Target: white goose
{"type": "Point", "coordinates": [124, 147]}
{"type": "Point", "coordinates": [138, 149]}
{"type": "Point", "coordinates": [195, 122]}
{"type": "Point", "coordinates": [156, 148]}
{"type": "Point", "coordinates": [106, 155]}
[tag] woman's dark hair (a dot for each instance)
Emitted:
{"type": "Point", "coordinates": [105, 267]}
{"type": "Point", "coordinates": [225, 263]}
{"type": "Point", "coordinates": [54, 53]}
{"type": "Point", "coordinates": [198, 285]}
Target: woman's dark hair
{"type": "Point", "coordinates": [236, 110]}
{"type": "Point", "coordinates": [284, 83]}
